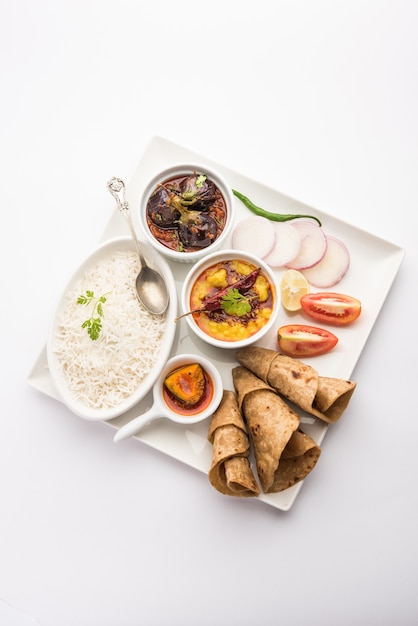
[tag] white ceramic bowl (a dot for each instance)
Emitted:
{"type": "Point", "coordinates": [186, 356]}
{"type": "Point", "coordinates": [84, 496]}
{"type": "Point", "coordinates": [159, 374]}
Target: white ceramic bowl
{"type": "Point", "coordinates": [176, 171]}
{"type": "Point", "coordinates": [55, 362]}
{"type": "Point", "coordinates": [160, 409]}
{"type": "Point", "coordinates": [209, 261]}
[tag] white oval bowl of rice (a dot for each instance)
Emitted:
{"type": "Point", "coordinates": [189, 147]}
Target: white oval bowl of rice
{"type": "Point", "coordinates": [99, 379]}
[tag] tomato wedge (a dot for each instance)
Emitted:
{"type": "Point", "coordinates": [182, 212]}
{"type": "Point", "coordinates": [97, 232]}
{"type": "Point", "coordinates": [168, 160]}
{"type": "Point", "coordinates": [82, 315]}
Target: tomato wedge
{"type": "Point", "coordinates": [302, 341]}
{"type": "Point", "coordinates": [331, 308]}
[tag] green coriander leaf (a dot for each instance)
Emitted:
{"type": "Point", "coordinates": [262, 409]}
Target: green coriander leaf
{"type": "Point", "coordinates": [93, 324]}
{"type": "Point", "coordinates": [200, 180]}
{"type": "Point", "coordinates": [234, 303]}
{"type": "Point", "coordinates": [95, 328]}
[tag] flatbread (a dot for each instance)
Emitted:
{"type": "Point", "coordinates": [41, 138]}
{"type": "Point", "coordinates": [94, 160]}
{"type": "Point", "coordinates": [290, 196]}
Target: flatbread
{"type": "Point", "coordinates": [325, 397]}
{"type": "Point", "coordinates": [230, 472]}
{"type": "Point", "coordinates": [271, 422]}
{"type": "Point", "coordinates": [297, 461]}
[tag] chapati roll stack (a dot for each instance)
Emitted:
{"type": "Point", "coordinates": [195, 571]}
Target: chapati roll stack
{"type": "Point", "coordinates": [230, 471]}
{"type": "Point", "coordinates": [321, 396]}
{"type": "Point", "coordinates": [283, 454]}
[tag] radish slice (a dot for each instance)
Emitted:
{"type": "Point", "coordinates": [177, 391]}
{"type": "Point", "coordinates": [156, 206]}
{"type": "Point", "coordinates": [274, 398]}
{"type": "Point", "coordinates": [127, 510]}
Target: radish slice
{"type": "Point", "coordinates": [332, 267]}
{"type": "Point", "coordinates": [313, 245]}
{"type": "Point", "coordinates": [286, 247]}
{"type": "Point", "coordinates": [255, 235]}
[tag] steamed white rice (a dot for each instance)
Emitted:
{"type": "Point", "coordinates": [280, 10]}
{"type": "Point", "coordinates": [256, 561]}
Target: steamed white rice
{"type": "Point", "coordinates": [103, 372]}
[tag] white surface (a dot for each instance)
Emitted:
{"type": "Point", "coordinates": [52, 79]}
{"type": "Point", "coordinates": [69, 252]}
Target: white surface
{"type": "Point", "coordinates": [317, 99]}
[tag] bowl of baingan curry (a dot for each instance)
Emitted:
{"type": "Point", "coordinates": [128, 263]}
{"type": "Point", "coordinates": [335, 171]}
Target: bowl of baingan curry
{"type": "Point", "coordinates": [229, 299]}
{"type": "Point", "coordinates": [185, 212]}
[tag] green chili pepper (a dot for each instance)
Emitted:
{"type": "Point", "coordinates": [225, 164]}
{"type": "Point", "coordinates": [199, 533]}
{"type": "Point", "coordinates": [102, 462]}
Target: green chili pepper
{"type": "Point", "coordinates": [275, 217]}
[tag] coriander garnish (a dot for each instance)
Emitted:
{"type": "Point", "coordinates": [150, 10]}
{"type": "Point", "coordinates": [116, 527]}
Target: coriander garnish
{"type": "Point", "coordinates": [94, 323]}
{"type": "Point", "coordinates": [200, 180]}
{"type": "Point", "coordinates": [234, 303]}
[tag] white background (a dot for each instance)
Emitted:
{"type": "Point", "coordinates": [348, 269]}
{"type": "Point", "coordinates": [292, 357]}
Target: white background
{"type": "Point", "coordinates": [318, 99]}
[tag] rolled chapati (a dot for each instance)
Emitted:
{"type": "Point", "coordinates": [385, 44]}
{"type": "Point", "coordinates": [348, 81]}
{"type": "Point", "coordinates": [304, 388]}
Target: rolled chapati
{"type": "Point", "coordinates": [230, 471]}
{"type": "Point", "coordinates": [271, 423]}
{"type": "Point", "coordinates": [325, 397]}
{"type": "Point", "coordinates": [298, 459]}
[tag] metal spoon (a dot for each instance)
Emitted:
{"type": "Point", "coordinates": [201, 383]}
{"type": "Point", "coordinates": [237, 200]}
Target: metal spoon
{"type": "Point", "coordinates": [150, 285]}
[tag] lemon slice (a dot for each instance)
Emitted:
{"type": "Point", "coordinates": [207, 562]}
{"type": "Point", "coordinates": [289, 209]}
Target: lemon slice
{"type": "Point", "coordinates": [293, 286]}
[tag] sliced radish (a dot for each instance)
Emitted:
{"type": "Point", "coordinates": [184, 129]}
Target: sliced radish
{"type": "Point", "coordinates": [255, 235]}
{"type": "Point", "coordinates": [332, 267]}
{"type": "Point", "coordinates": [313, 245]}
{"type": "Point", "coordinates": [286, 247]}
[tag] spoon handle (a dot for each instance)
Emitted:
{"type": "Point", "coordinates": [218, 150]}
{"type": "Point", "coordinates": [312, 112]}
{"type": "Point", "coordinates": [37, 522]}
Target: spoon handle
{"type": "Point", "coordinates": [116, 187]}
{"type": "Point", "coordinates": [134, 426]}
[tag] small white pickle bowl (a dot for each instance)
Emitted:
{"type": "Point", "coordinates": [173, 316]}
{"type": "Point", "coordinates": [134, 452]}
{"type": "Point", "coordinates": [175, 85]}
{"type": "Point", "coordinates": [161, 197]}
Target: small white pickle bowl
{"type": "Point", "coordinates": [161, 410]}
